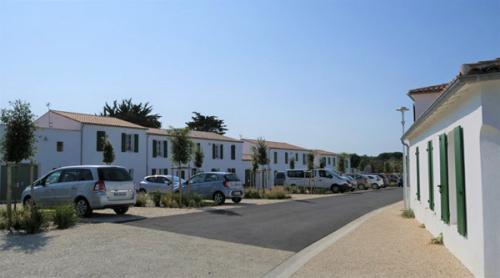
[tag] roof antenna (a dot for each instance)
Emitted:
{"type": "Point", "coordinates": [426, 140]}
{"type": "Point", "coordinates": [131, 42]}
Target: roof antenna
{"type": "Point", "coordinates": [48, 107]}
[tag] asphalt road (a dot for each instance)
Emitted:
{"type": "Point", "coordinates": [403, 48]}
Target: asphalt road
{"type": "Point", "coordinates": [289, 226]}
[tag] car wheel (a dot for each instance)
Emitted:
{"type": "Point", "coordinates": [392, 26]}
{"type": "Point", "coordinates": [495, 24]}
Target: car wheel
{"type": "Point", "coordinates": [219, 198]}
{"type": "Point", "coordinates": [335, 188]}
{"type": "Point", "coordinates": [236, 200]}
{"type": "Point", "coordinates": [121, 210]}
{"type": "Point", "coordinates": [361, 187]}
{"type": "Point", "coordinates": [82, 208]}
{"type": "Point", "coordinates": [375, 186]}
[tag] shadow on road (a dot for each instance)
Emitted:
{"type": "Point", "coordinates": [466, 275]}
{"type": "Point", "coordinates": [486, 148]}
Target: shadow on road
{"type": "Point", "coordinates": [23, 243]}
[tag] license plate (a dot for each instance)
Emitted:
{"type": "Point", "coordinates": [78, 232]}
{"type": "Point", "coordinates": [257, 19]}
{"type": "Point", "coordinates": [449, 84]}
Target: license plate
{"type": "Point", "coordinates": [236, 193]}
{"type": "Point", "coordinates": [120, 193]}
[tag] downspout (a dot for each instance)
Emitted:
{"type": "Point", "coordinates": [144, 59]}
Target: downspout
{"type": "Point", "coordinates": [406, 175]}
{"type": "Point", "coordinates": [147, 153]}
{"type": "Point", "coordinates": [81, 144]}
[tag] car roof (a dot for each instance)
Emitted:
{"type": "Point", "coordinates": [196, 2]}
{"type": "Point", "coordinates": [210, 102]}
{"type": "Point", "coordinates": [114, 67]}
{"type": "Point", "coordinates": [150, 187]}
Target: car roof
{"type": "Point", "coordinates": [89, 166]}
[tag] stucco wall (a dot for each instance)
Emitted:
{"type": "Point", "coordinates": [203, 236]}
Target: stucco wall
{"type": "Point", "coordinates": [53, 120]}
{"type": "Point", "coordinates": [422, 102]}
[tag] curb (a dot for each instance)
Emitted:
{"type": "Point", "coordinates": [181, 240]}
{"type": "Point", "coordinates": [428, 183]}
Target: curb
{"type": "Point", "coordinates": [297, 261]}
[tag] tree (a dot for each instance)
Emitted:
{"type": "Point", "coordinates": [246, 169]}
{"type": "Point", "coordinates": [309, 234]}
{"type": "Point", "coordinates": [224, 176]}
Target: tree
{"type": "Point", "coordinates": [207, 123]}
{"type": "Point", "coordinates": [17, 143]}
{"type": "Point", "coordinates": [198, 158]}
{"type": "Point", "coordinates": [292, 163]}
{"type": "Point", "coordinates": [137, 113]}
{"type": "Point", "coordinates": [310, 161]}
{"type": "Point", "coordinates": [322, 162]}
{"type": "Point", "coordinates": [182, 148]}
{"type": "Point", "coordinates": [108, 153]}
{"type": "Point", "coordinates": [259, 154]}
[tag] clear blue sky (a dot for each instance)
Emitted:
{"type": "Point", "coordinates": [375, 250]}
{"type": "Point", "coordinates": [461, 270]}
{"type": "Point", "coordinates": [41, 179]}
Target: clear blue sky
{"type": "Point", "coordinates": [320, 74]}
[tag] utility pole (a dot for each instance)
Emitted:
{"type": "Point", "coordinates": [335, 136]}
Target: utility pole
{"type": "Point", "coordinates": [405, 176]}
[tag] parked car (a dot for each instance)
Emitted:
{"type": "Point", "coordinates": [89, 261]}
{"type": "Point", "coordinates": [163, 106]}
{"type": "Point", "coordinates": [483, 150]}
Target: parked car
{"type": "Point", "coordinates": [318, 178]}
{"type": "Point", "coordinates": [279, 178]}
{"type": "Point", "coordinates": [88, 187]}
{"type": "Point", "coordinates": [384, 178]}
{"type": "Point", "coordinates": [352, 181]}
{"type": "Point", "coordinates": [361, 181]}
{"type": "Point", "coordinates": [159, 183]}
{"type": "Point", "coordinates": [217, 186]}
{"type": "Point", "coordinates": [374, 181]}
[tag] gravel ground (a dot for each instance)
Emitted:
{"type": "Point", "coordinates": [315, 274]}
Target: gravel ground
{"type": "Point", "coordinates": [387, 245]}
{"type": "Point", "coordinates": [114, 250]}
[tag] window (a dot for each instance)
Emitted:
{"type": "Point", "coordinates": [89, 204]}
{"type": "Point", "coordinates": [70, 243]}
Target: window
{"type": "Point", "coordinates": [165, 171]}
{"type": "Point", "coordinates": [70, 175]}
{"type": "Point", "coordinates": [231, 177]}
{"type": "Point", "coordinates": [304, 159]}
{"type": "Point", "coordinates": [101, 139]}
{"type": "Point", "coordinates": [153, 171]}
{"type": "Point", "coordinates": [217, 151]}
{"type": "Point", "coordinates": [325, 174]}
{"type": "Point", "coordinates": [329, 161]}
{"type": "Point", "coordinates": [233, 152]}
{"type": "Point", "coordinates": [295, 174]}
{"type": "Point", "coordinates": [296, 156]}
{"type": "Point", "coordinates": [197, 179]}
{"type": "Point", "coordinates": [113, 174]}
{"type": "Point", "coordinates": [53, 178]}
{"type": "Point", "coordinates": [231, 170]}
{"type": "Point", "coordinates": [211, 177]}
{"type": "Point", "coordinates": [160, 148]}
{"type": "Point", "coordinates": [286, 158]}
{"type": "Point", "coordinates": [59, 146]}
{"type": "Point", "coordinates": [130, 142]}
{"type": "Point", "coordinates": [275, 157]}
{"type": "Point", "coordinates": [198, 146]}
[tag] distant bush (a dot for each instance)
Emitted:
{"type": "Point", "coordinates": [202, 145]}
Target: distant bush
{"type": "Point", "coordinates": [275, 193]}
{"type": "Point", "coordinates": [252, 193]}
{"type": "Point", "coordinates": [408, 213]}
{"type": "Point", "coordinates": [156, 198]}
{"type": "Point", "coordinates": [190, 200]}
{"type": "Point", "coordinates": [65, 217]}
{"type": "Point", "coordinates": [438, 240]}
{"type": "Point", "coordinates": [141, 200]}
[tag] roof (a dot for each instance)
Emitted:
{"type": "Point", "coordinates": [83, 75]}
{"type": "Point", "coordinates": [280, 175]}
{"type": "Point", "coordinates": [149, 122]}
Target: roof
{"type": "Point", "coordinates": [96, 120]}
{"type": "Point", "coordinates": [474, 72]}
{"type": "Point", "coordinates": [278, 145]}
{"type": "Point", "coordinates": [322, 152]}
{"type": "Point", "coordinates": [439, 88]}
{"type": "Point", "coordinates": [194, 135]}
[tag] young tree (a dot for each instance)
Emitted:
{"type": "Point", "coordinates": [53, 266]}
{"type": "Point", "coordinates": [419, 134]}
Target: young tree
{"type": "Point", "coordinates": [137, 113]}
{"type": "Point", "coordinates": [259, 154]}
{"type": "Point", "coordinates": [108, 153]}
{"type": "Point", "coordinates": [310, 161]}
{"type": "Point", "coordinates": [201, 122]}
{"type": "Point", "coordinates": [198, 158]}
{"type": "Point", "coordinates": [17, 143]}
{"type": "Point", "coordinates": [292, 163]}
{"type": "Point", "coordinates": [182, 148]}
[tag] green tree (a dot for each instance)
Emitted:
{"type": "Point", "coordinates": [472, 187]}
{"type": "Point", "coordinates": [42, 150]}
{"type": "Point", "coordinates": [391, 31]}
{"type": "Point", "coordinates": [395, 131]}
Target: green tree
{"type": "Point", "coordinates": [201, 122]}
{"type": "Point", "coordinates": [108, 153]}
{"type": "Point", "coordinates": [17, 143]}
{"type": "Point", "coordinates": [259, 155]}
{"type": "Point", "coordinates": [310, 161]}
{"type": "Point", "coordinates": [198, 158]}
{"type": "Point", "coordinates": [137, 113]}
{"type": "Point", "coordinates": [182, 148]}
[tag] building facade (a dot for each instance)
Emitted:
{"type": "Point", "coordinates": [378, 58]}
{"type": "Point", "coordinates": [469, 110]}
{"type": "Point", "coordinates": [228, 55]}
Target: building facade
{"type": "Point", "coordinates": [454, 157]}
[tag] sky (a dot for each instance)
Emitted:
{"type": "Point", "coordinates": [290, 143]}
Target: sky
{"type": "Point", "coordinates": [318, 74]}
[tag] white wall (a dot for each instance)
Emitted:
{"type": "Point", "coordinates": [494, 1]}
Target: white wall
{"type": "Point", "coordinates": [423, 101]}
{"type": "Point", "coordinates": [465, 111]}
{"type": "Point", "coordinates": [53, 120]}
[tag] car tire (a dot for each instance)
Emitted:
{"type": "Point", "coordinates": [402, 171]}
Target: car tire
{"type": "Point", "coordinates": [121, 210]}
{"type": "Point", "coordinates": [82, 207]}
{"type": "Point", "coordinates": [219, 198]}
{"type": "Point", "coordinates": [361, 187]}
{"type": "Point", "coordinates": [335, 188]}
{"type": "Point", "coordinates": [375, 186]}
{"type": "Point", "coordinates": [236, 200]}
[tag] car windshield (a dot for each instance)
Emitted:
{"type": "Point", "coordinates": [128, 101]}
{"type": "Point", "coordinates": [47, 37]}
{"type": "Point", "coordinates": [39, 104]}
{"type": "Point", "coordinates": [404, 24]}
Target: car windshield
{"type": "Point", "coordinates": [231, 177]}
{"type": "Point", "coordinates": [113, 174]}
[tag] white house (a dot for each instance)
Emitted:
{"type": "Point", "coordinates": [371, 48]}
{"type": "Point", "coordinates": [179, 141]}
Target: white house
{"type": "Point", "coordinates": [330, 160]}
{"type": "Point", "coordinates": [454, 163]}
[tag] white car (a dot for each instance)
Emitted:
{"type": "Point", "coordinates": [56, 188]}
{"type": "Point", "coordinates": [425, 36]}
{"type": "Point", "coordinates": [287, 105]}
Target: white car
{"type": "Point", "coordinates": [320, 178]}
{"type": "Point", "coordinates": [159, 183]}
{"type": "Point", "coordinates": [374, 181]}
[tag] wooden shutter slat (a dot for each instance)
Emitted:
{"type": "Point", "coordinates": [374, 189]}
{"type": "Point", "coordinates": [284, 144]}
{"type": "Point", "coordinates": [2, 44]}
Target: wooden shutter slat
{"type": "Point", "coordinates": [417, 155]}
{"type": "Point", "coordinates": [136, 143]}
{"type": "Point", "coordinates": [155, 152]}
{"type": "Point", "coordinates": [124, 142]}
{"type": "Point", "coordinates": [460, 181]}
{"type": "Point", "coordinates": [165, 148]}
{"type": "Point", "coordinates": [431, 175]}
{"type": "Point", "coordinates": [443, 158]}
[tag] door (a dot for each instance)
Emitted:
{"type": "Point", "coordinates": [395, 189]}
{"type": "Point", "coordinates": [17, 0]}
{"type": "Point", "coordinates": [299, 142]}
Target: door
{"type": "Point", "coordinates": [47, 195]}
{"type": "Point", "coordinates": [443, 187]}
{"type": "Point", "coordinates": [196, 183]}
{"type": "Point", "coordinates": [212, 183]}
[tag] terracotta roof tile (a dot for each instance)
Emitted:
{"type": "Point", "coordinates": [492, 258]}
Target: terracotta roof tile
{"type": "Point", "coordinates": [96, 120]}
{"type": "Point", "coordinates": [278, 145]}
{"type": "Point", "coordinates": [195, 135]}
{"type": "Point", "coordinates": [322, 152]}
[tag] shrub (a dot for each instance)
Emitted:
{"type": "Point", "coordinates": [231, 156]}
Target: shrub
{"type": "Point", "coordinates": [190, 200]}
{"type": "Point", "coordinates": [438, 240]}
{"type": "Point", "coordinates": [65, 217]}
{"type": "Point", "coordinates": [408, 213]}
{"type": "Point", "coordinates": [31, 219]}
{"type": "Point", "coordinates": [156, 198]}
{"type": "Point", "coordinates": [3, 219]}
{"type": "Point", "coordinates": [252, 193]}
{"type": "Point", "coordinates": [141, 200]}
{"type": "Point", "coordinates": [422, 226]}
{"type": "Point", "coordinates": [276, 193]}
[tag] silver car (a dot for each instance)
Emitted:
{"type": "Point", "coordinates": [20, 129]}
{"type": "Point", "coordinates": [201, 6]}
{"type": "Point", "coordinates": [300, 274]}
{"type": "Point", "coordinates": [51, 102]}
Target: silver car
{"type": "Point", "coordinates": [218, 186]}
{"type": "Point", "coordinates": [159, 183]}
{"type": "Point", "coordinates": [88, 187]}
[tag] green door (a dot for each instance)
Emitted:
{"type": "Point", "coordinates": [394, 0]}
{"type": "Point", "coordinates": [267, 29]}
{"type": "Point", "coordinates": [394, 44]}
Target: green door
{"type": "Point", "coordinates": [431, 175]}
{"type": "Point", "coordinates": [417, 157]}
{"type": "Point", "coordinates": [443, 165]}
{"type": "Point", "coordinates": [460, 181]}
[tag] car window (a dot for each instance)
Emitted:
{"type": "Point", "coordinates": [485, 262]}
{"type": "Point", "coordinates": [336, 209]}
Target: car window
{"type": "Point", "coordinates": [211, 177]}
{"type": "Point", "coordinates": [71, 175]}
{"type": "Point", "coordinates": [161, 180]}
{"type": "Point", "coordinates": [113, 174]}
{"type": "Point", "coordinates": [151, 179]}
{"type": "Point", "coordinates": [197, 179]}
{"type": "Point", "coordinates": [231, 177]}
{"type": "Point", "coordinates": [325, 174]}
{"type": "Point", "coordinates": [53, 178]}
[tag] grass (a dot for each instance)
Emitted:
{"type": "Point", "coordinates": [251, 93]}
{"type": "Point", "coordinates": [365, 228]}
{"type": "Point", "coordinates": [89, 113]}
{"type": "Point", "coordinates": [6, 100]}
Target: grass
{"type": "Point", "coordinates": [438, 240]}
{"type": "Point", "coordinates": [408, 213]}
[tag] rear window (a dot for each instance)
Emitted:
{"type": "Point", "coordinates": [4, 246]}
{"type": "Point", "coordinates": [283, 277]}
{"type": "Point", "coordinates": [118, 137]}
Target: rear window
{"type": "Point", "coordinates": [113, 174]}
{"type": "Point", "coordinates": [231, 177]}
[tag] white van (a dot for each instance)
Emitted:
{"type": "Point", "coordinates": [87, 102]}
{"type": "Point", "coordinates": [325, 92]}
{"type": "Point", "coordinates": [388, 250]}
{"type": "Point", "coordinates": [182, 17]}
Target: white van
{"type": "Point", "coordinates": [320, 178]}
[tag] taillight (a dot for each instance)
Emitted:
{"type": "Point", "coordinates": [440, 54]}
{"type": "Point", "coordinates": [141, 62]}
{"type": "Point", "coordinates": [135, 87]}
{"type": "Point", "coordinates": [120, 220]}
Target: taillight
{"type": "Point", "coordinates": [226, 184]}
{"type": "Point", "coordinates": [100, 186]}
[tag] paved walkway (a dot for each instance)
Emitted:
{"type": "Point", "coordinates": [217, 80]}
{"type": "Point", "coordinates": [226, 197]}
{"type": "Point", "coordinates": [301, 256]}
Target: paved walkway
{"type": "Point", "coordinates": [386, 245]}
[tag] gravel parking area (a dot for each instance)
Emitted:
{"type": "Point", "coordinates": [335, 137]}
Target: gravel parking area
{"type": "Point", "coordinates": [387, 245]}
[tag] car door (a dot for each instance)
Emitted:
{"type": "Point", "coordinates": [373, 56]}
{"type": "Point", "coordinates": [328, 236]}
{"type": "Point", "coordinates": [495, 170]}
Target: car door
{"type": "Point", "coordinates": [196, 184]}
{"type": "Point", "coordinates": [47, 196]}
{"type": "Point", "coordinates": [212, 183]}
{"type": "Point", "coordinates": [68, 182]}
{"type": "Point", "coordinates": [162, 184]}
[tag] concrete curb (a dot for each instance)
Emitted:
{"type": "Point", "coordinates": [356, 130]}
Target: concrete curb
{"type": "Point", "coordinates": [297, 261]}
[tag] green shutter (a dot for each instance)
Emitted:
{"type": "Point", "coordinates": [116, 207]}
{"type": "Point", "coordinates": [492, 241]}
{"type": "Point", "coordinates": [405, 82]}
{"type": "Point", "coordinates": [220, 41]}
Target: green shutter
{"type": "Point", "coordinates": [221, 151]}
{"type": "Point", "coordinates": [155, 152]}
{"type": "Point", "coordinates": [136, 143]}
{"type": "Point", "coordinates": [417, 155]}
{"type": "Point", "coordinates": [443, 188]}
{"type": "Point", "coordinates": [460, 181]}
{"type": "Point", "coordinates": [124, 142]}
{"type": "Point", "coordinates": [431, 175]}
{"type": "Point", "coordinates": [165, 148]}
{"type": "Point", "coordinates": [214, 155]}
